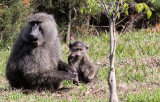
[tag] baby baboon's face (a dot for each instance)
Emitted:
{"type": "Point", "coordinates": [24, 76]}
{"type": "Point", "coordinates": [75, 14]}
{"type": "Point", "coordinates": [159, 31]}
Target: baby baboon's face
{"type": "Point", "coordinates": [78, 49]}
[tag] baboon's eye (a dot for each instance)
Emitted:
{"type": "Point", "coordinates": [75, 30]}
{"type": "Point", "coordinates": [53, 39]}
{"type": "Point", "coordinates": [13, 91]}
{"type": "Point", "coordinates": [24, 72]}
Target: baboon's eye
{"type": "Point", "coordinates": [40, 28]}
{"type": "Point", "coordinates": [80, 49]}
{"type": "Point", "coordinates": [74, 50]}
{"type": "Point", "coordinates": [34, 22]}
{"type": "Point", "coordinates": [77, 50]}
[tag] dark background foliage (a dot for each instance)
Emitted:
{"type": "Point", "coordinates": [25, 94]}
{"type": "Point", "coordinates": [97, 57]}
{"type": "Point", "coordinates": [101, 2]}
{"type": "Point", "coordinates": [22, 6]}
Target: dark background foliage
{"type": "Point", "coordinates": [13, 15]}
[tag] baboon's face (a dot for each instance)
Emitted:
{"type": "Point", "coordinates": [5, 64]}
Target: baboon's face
{"type": "Point", "coordinates": [40, 30]}
{"type": "Point", "coordinates": [78, 49]}
{"type": "Point", "coordinates": [36, 34]}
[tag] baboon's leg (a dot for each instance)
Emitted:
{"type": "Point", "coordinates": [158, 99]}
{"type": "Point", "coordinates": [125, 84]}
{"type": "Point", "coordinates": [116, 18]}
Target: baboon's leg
{"type": "Point", "coordinates": [57, 85]}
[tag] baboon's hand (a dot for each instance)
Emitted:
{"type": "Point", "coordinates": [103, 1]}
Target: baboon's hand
{"type": "Point", "coordinates": [71, 70]}
{"type": "Point", "coordinates": [76, 80]}
{"type": "Point", "coordinates": [76, 83]}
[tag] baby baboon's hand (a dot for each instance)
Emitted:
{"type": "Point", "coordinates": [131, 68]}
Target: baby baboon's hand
{"type": "Point", "coordinates": [71, 70]}
{"type": "Point", "coordinates": [76, 80]}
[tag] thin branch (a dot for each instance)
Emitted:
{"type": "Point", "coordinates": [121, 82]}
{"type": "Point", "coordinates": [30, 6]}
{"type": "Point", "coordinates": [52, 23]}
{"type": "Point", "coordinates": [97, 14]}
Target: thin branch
{"type": "Point", "coordinates": [114, 37]}
{"type": "Point", "coordinates": [117, 9]}
{"type": "Point", "coordinates": [112, 4]}
{"type": "Point", "coordinates": [121, 21]}
{"type": "Point", "coordinates": [107, 11]}
{"type": "Point", "coordinates": [127, 27]}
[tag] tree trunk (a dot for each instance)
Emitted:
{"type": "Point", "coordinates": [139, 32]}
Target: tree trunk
{"type": "Point", "coordinates": [88, 19]}
{"type": "Point", "coordinates": [111, 77]}
{"type": "Point", "coordinates": [69, 25]}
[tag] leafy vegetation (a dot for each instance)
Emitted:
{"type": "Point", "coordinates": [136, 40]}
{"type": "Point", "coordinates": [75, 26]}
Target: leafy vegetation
{"type": "Point", "coordinates": [12, 17]}
{"type": "Point", "coordinates": [137, 71]}
{"type": "Point", "coordinates": [143, 7]}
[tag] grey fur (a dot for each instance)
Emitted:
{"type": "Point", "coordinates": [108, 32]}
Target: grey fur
{"type": "Point", "coordinates": [39, 67]}
{"type": "Point", "coordinates": [86, 69]}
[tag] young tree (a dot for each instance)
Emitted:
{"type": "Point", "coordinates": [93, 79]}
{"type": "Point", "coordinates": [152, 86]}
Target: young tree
{"type": "Point", "coordinates": [111, 11]}
{"type": "Point", "coordinates": [112, 8]}
{"type": "Point", "coordinates": [69, 23]}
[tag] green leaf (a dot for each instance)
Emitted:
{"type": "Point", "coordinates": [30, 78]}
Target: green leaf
{"type": "Point", "coordinates": [90, 10]}
{"type": "Point", "coordinates": [149, 14]}
{"type": "Point", "coordinates": [146, 7]}
{"type": "Point", "coordinates": [121, 2]}
{"type": "Point", "coordinates": [110, 13]}
{"type": "Point", "coordinates": [126, 12]}
{"type": "Point", "coordinates": [152, 1]}
{"type": "Point", "coordinates": [81, 10]}
{"type": "Point", "coordinates": [125, 6]}
{"type": "Point", "coordinates": [139, 7]}
{"type": "Point", "coordinates": [142, 6]}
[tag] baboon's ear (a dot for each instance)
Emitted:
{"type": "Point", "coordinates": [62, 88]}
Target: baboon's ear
{"type": "Point", "coordinates": [87, 47]}
{"type": "Point", "coordinates": [70, 45]}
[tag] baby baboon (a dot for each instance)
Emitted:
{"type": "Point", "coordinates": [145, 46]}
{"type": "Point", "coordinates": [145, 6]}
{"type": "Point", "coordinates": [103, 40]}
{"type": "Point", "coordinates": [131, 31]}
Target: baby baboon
{"type": "Point", "coordinates": [79, 60]}
{"type": "Point", "coordinates": [35, 61]}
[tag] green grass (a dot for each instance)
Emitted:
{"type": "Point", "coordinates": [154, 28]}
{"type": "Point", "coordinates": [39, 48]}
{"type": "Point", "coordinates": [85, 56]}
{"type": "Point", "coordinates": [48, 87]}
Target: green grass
{"type": "Point", "coordinates": [137, 72]}
{"type": "Point", "coordinates": [145, 96]}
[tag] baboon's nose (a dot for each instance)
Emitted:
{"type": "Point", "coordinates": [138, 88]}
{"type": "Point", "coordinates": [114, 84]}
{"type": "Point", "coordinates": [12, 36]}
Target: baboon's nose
{"type": "Point", "coordinates": [33, 38]}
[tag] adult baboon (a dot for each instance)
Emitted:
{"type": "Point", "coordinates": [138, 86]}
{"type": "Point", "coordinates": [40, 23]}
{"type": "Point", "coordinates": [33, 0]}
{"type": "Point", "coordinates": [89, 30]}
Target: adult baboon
{"type": "Point", "coordinates": [79, 60]}
{"type": "Point", "coordinates": [35, 61]}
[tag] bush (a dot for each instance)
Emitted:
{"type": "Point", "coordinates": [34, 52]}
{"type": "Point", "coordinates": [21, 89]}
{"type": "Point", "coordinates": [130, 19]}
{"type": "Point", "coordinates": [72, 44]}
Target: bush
{"type": "Point", "coordinates": [12, 17]}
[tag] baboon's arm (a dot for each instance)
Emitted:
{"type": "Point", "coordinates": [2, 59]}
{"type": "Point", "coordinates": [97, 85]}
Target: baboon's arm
{"type": "Point", "coordinates": [62, 66]}
{"type": "Point", "coordinates": [50, 75]}
{"type": "Point", "coordinates": [92, 74]}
